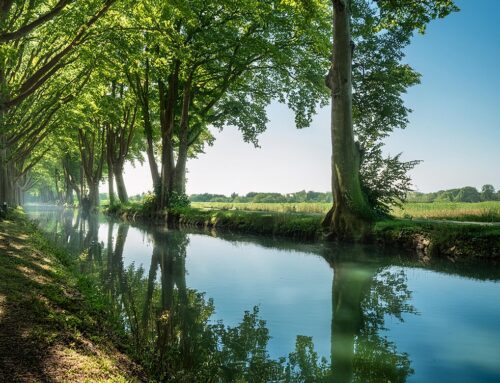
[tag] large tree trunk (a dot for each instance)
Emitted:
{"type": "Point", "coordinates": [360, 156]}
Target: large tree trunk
{"type": "Point", "coordinates": [167, 113]}
{"type": "Point", "coordinates": [351, 215]}
{"type": "Point", "coordinates": [120, 184]}
{"type": "Point", "coordinates": [7, 175]}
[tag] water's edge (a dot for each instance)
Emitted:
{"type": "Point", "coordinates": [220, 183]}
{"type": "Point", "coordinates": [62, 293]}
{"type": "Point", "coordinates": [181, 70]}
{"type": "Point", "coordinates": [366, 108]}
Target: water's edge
{"type": "Point", "coordinates": [454, 242]}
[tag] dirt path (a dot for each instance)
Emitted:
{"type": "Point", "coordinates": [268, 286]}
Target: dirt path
{"type": "Point", "coordinates": [45, 332]}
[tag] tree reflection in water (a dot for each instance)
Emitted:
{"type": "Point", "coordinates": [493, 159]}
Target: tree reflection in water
{"type": "Point", "coordinates": [172, 334]}
{"type": "Point", "coordinates": [363, 295]}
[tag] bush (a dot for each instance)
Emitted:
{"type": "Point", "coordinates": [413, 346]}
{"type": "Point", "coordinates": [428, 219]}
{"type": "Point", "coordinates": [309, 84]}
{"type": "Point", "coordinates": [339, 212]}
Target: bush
{"type": "Point", "coordinates": [149, 202]}
{"type": "Point", "coordinates": [178, 201]}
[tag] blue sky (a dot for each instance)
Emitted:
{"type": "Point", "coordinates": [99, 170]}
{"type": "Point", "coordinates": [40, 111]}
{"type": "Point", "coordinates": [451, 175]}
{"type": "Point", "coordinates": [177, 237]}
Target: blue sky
{"type": "Point", "coordinates": [454, 128]}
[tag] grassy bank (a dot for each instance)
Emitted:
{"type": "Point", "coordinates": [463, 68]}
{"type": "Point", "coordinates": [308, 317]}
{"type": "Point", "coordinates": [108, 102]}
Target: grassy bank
{"type": "Point", "coordinates": [455, 211]}
{"type": "Point", "coordinates": [53, 324]}
{"type": "Point", "coordinates": [438, 239]}
{"type": "Point", "coordinates": [300, 226]}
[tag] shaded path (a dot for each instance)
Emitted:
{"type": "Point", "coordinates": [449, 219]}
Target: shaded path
{"type": "Point", "coordinates": [45, 326]}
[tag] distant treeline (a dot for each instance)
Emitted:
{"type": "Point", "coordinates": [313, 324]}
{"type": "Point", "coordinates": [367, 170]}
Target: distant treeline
{"type": "Point", "coordinates": [465, 194]}
{"type": "Point", "coordinates": [254, 197]}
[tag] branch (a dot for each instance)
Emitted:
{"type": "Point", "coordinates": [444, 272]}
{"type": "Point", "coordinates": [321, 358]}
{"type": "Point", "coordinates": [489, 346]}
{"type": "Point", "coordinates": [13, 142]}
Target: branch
{"type": "Point", "coordinates": [25, 29]}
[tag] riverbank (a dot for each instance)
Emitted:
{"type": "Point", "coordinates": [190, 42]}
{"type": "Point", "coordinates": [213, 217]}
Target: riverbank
{"type": "Point", "coordinates": [429, 239]}
{"type": "Point", "coordinates": [53, 325]}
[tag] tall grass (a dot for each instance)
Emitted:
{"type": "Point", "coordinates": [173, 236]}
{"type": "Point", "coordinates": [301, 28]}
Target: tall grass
{"type": "Point", "coordinates": [459, 211]}
{"type": "Point", "coordinates": [302, 207]}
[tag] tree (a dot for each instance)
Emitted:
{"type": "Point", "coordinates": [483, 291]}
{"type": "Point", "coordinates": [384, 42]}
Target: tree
{"type": "Point", "coordinates": [37, 40]}
{"type": "Point", "coordinates": [468, 194]}
{"type": "Point", "coordinates": [217, 64]}
{"type": "Point", "coordinates": [352, 213]}
{"type": "Point", "coordinates": [488, 193]}
{"type": "Point", "coordinates": [119, 135]}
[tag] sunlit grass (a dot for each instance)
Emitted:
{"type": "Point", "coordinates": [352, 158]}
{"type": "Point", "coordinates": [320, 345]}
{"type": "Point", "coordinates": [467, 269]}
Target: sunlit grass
{"type": "Point", "coordinates": [460, 211]}
{"type": "Point", "coordinates": [303, 207]}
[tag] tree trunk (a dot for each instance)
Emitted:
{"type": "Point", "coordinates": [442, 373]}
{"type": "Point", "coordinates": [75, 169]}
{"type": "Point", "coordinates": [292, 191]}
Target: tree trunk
{"type": "Point", "coordinates": [148, 131]}
{"type": "Point", "coordinates": [167, 113]}
{"type": "Point", "coordinates": [111, 185]}
{"type": "Point", "coordinates": [179, 184]}
{"type": "Point", "coordinates": [351, 215]}
{"type": "Point", "coordinates": [7, 176]}
{"type": "Point", "coordinates": [120, 184]}
{"type": "Point", "coordinates": [94, 195]}
{"type": "Point", "coordinates": [68, 197]}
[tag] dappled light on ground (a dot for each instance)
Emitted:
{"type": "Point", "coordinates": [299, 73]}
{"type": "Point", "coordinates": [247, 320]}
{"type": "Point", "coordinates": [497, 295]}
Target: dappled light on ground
{"type": "Point", "coordinates": [41, 316]}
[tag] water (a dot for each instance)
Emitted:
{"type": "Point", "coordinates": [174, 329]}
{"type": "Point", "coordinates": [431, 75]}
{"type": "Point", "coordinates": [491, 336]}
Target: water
{"type": "Point", "coordinates": [334, 313]}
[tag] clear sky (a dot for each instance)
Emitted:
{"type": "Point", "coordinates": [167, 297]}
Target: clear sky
{"type": "Point", "coordinates": [454, 127]}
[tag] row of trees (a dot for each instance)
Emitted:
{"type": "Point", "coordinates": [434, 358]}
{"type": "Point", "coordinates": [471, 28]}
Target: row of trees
{"type": "Point", "coordinates": [87, 85]}
{"type": "Point", "coordinates": [147, 79]}
{"type": "Point", "coordinates": [465, 194]}
{"type": "Point", "coordinates": [253, 197]}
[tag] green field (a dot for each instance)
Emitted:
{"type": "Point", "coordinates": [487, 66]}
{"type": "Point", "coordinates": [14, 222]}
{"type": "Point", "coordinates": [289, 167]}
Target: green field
{"type": "Point", "coordinates": [303, 207]}
{"type": "Point", "coordinates": [459, 211]}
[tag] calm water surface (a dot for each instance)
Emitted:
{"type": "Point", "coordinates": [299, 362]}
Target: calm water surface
{"type": "Point", "coordinates": [200, 306]}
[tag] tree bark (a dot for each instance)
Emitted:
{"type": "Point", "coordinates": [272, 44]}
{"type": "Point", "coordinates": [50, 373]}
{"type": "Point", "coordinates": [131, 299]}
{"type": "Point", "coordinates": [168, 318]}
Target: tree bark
{"type": "Point", "coordinates": [179, 184]}
{"type": "Point", "coordinates": [351, 215]}
{"type": "Point", "coordinates": [167, 113]}
{"type": "Point", "coordinates": [120, 183]}
{"type": "Point", "coordinates": [111, 185]}
{"type": "Point", "coordinates": [148, 127]}
{"type": "Point", "coordinates": [5, 182]}
{"type": "Point", "coordinates": [94, 194]}
{"type": "Point", "coordinates": [93, 152]}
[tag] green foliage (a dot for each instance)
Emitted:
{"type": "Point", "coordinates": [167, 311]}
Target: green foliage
{"type": "Point", "coordinates": [380, 79]}
{"type": "Point", "coordinates": [385, 180]}
{"type": "Point", "coordinates": [465, 194]}
{"type": "Point", "coordinates": [304, 365]}
{"type": "Point", "coordinates": [262, 198]}
{"type": "Point", "coordinates": [149, 202]}
{"type": "Point", "coordinates": [488, 193]}
{"type": "Point", "coordinates": [178, 201]}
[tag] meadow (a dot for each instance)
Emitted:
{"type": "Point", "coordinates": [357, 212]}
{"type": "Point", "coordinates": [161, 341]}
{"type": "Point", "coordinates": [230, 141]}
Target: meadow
{"type": "Point", "coordinates": [455, 211]}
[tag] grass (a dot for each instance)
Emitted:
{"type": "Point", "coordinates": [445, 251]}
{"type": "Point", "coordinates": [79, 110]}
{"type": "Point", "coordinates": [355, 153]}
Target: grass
{"type": "Point", "coordinates": [53, 325]}
{"type": "Point", "coordinates": [301, 207]}
{"type": "Point", "coordinates": [300, 226]}
{"type": "Point", "coordinates": [456, 211]}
